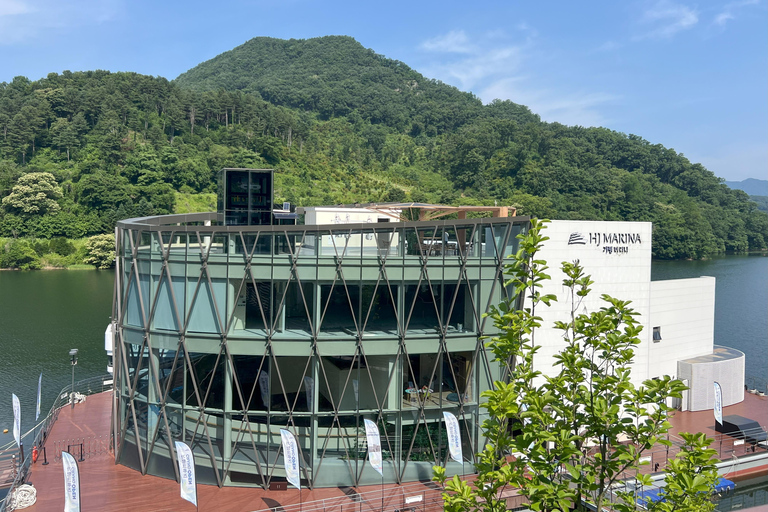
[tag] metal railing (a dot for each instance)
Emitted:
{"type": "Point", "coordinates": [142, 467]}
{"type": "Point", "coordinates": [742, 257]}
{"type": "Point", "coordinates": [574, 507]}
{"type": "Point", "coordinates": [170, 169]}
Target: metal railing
{"type": "Point", "coordinates": [416, 497]}
{"type": "Point", "coordinates": [413, 497]}
{"type": "Point", "coordinates": [755, 385]}
{"type": "Point", "coordinates": [85, 387]}
{"type": "Point", "coordinates": [81, 448]}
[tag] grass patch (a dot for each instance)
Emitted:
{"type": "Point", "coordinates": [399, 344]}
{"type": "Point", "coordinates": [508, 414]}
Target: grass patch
{"type": "Point", "coordinates": [195, 203]}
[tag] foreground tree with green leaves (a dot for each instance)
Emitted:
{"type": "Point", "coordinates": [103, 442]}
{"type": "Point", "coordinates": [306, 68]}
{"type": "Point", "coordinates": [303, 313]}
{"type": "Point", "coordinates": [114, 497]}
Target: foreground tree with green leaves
{"type": "Point", "coordinates": [581, 431]}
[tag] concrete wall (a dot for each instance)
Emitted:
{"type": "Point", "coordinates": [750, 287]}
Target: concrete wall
{"type": "Point", "coordinates": [684, 310]}
{"type": "Point", "coordinates": [320, 215]}
{"type": "Point", "coordinates": [728, 372]}
{"type": "Point", "coordinates": [618, 257]}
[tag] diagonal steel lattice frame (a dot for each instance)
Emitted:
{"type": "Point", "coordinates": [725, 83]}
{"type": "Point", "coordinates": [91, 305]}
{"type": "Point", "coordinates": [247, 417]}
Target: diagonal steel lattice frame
{"type": "Point", "coordinates": [146, 254]}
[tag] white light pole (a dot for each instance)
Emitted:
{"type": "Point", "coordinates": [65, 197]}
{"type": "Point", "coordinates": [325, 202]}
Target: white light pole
{"type": "Point", "coordinates": [73, 355]}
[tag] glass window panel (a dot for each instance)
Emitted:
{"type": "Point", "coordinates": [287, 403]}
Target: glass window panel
{"type": "Point", "coordinates": [422, 305]}
{"type": "Point", "coordinates": [258, 305]}
{"type": "Point", "coordinates": [379, 307]}
{"type": "Point", "coordinates": [338, 306]}
{"type": "Point", "coordinates": [341, 438]}
{"type": "Point", "coordinates": [252, 374]}
{"type": "Point", "coordinates": [374, 375]}
{"type": "Point", "coordinates": [179, 242]}
{"type": "Point", "coordinates": [205, 305]}
{"type": "Point", "coordinates": [299, 306]}
{"type": "Point", "coordinates": [307, 246]}
{"type": "Point", "coordinates": [421, 380]}
{"type": "Point", "coordinates": [339, 383]}
{"type": "Point", "coordinates": [292, 388]}
{"type": "Point", "coordinates": [209, 374]}
{"type": "Point", "coordinates": [237, 191]}
{"type": "Point", "coordinates": [167, 308]}
{"type": "Point", "coordinates": [456, 378]}
{"type": "Point", "coordinates": [422, 440]}
{"type": "Point", "coordinates": [458, 303]}
{"type": "Point", "coordinates": [171, 379]}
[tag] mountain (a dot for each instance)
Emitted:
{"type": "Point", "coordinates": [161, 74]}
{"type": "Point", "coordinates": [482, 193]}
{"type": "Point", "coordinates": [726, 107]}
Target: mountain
{"type": "Point", "coordinates": [339, 124]}
{"type": "Point", "coordinates": [751, 186]}
{"type": "Point", "coordinates": [336, 76]}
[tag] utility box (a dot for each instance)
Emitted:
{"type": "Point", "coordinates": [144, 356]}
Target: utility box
{"type": "Point", "coordinates": [245, 197]}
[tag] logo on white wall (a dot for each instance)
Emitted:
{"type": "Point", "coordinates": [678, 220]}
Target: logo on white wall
{"type": "Point", "coordinates": [611, 243]}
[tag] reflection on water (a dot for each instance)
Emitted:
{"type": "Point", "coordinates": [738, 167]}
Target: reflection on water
{"type": "Point", "coordinates": [748, 494]}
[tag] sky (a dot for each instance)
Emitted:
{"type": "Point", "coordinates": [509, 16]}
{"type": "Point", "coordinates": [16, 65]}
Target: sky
{"type": "Point", "coordinates": [692, 76]}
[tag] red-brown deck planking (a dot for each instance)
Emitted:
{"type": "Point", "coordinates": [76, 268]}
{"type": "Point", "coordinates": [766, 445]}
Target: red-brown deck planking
{"type": "Point", "coordinates": [106, 486]}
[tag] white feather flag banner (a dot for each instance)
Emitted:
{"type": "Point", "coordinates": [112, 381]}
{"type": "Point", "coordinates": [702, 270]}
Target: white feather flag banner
{"type": "Point", "coordinates": [291, 458]}
{"type": "Point", "coordinates": [374, 446]}
{"type": "Point", "coordinates": [454, 436]}
{"type": "Point", "coordinates": [186, 462]}
{"type": "Point", "coordinates": [71, 483]}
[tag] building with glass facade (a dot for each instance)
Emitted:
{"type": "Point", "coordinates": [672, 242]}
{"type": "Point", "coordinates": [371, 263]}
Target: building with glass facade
{"type": "Point", "coordinates": [227, 333]}
{"type": "Point", "coordinates": [231, 325]}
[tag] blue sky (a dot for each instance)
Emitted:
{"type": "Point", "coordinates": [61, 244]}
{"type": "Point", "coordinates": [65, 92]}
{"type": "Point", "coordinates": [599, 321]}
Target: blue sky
{"type": "Point", "coordinates": [692, 76]}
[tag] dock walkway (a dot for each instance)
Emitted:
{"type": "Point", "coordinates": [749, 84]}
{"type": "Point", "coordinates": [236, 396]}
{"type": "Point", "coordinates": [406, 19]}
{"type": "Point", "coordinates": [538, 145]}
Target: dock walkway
{"type": "Point", "coordinates": [110, 487]}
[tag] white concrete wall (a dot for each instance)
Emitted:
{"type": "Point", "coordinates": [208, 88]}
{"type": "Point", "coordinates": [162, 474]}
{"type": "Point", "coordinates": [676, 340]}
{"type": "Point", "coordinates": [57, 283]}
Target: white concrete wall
{"type": "Point", "coordinates": [321, 215]}
{"type": "Point", "coordinates": [684, 309]}
{"type": "Point", "coordinates": [329, 215]}
{"type": "Point", "coordinates": [618, 257]}
{"type": "Point", "coordinates": [703, 371]}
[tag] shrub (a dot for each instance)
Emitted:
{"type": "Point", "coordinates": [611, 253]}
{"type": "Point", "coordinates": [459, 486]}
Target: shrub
{"type": "Point", "coordinates": [61, 246]}
{"type": "Point", "coordinates": [19, 253]}
{"type": "Point", "coordinates": [100, 251]}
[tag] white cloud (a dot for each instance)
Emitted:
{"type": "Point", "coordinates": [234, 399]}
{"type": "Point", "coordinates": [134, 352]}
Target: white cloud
{"type": "Point", "coordinates": [24, 20]}
{"type": "Point", "coordinates": [567, 107]}
{"type": "Point", "coordinates": [455, 41]}
{"type": "Point", "coordinates": [665, 19]}
{"type": "Point", "coordinates": [12, 7]}
{"type": "Point", "coordinates": [729, 11]}
{"type": "Point", "coordinates": [478, 67]}
{"type": "Point", "coordinates": [496, 69]}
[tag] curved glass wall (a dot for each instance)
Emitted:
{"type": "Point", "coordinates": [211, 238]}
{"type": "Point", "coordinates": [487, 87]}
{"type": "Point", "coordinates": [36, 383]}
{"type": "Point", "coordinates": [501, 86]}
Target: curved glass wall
{"type": "Point", "coordinates": [228, 334]}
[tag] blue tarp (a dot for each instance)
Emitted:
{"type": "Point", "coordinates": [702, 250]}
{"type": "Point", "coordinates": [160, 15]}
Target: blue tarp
{"type": "Point", "coordinates": [724, 485]}
{"type": "Point", "coordinates": [649, 496]}
{"type": "Point", "coordinates": [657, 493]}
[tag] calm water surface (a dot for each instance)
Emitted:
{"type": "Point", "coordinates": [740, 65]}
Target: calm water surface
{"type": "Point", "coordinates": [43, 314]}
{"type": "Point", "coordinates": [741, 305]}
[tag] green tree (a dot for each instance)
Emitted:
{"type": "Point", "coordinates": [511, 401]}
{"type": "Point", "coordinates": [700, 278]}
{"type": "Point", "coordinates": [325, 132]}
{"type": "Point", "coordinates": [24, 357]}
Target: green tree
{"type": "Point", "coordinates": [19, 253]}
{"type": "Point", "coordinates": [64, 135]}
{"type": "Point", "coordinates": [100, 251]}
{"type": "Point", "coordinates": [570, 425]}
{"type": "Point", "coordinates": [36, 193]}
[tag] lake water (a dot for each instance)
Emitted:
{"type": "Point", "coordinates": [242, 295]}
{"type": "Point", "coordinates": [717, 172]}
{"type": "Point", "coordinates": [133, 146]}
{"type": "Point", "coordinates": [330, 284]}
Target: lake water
{"type": "Point", "coordinates": [741, 305]}
{"type": "Point", "coordinates": [44, 314]}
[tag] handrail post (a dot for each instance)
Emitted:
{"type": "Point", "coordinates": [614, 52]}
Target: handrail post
{"type": "Point", "coordinates": [45, 457]}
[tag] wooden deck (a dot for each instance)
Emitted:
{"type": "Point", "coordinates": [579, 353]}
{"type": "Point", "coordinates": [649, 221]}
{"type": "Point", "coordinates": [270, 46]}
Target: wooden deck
{"type": "Point", "coordinates": [107, 486]}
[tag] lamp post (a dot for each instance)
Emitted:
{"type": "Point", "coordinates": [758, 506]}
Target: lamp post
{"type": "Point", "coordinates": [73, 355]}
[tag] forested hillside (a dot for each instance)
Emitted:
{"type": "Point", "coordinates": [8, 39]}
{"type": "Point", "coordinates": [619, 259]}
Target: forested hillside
{"type": "Point", "coordinates": [339, 124]}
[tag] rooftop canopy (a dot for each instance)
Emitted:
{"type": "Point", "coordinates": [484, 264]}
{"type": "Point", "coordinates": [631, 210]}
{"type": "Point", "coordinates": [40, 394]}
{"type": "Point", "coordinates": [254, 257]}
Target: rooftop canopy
{"type": "Point", "coordinates": [428, 211]}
